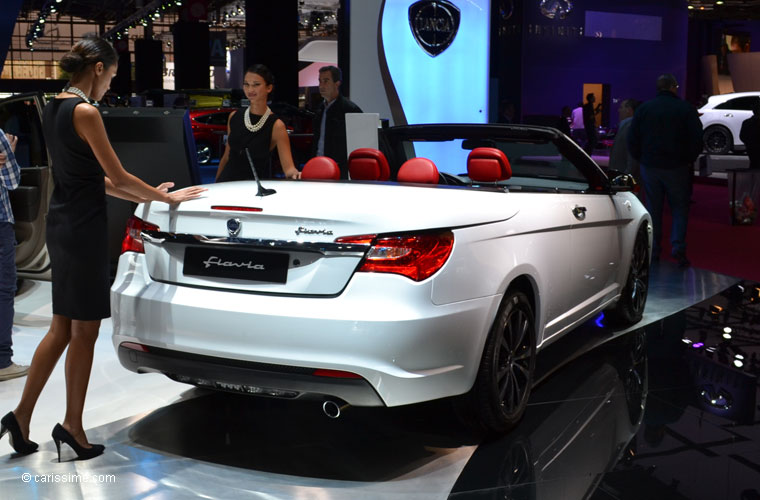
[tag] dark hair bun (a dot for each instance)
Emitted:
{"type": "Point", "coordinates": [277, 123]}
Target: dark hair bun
{"type": "Point", "coordinates": [72, 62]}
{"type": "Point", "coordinates": [89, 50]}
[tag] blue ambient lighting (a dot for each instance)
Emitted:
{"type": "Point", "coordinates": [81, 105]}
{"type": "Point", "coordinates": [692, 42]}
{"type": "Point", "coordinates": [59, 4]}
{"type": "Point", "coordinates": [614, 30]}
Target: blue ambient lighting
{"type": "Point", "coordinates": [599, 320]}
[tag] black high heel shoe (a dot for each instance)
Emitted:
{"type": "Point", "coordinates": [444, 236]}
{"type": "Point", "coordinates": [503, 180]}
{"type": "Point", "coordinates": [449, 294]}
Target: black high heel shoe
{"type": "Point", "coordinates": [62, 435]}
{"type": "Point", "coordinates": [10, 424]}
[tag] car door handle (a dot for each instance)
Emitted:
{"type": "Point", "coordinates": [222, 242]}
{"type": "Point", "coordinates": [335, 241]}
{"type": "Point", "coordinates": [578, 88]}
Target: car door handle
{"type": "Point", "coordinates": [579, 212]}
{"type": "Point", "coordinates": [729, 115]}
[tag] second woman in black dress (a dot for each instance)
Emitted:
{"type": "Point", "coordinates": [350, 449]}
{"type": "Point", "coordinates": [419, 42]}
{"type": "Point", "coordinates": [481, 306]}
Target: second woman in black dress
{"type": "Point", "coordinates": [257, 130]}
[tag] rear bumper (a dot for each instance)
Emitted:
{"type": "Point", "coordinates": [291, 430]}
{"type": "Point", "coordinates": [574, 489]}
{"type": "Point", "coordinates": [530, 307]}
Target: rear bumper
{"type": "Point", "coordinates": [246, 377]}
{"type": "Point", "coordinates": [405, 348]}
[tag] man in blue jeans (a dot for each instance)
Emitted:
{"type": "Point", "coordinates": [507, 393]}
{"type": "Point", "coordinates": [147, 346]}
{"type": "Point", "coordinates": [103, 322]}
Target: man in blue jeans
{"type": "Point", "coordinates": [10, 174]}
{"type": "Point", "coordinates": [665, 136]}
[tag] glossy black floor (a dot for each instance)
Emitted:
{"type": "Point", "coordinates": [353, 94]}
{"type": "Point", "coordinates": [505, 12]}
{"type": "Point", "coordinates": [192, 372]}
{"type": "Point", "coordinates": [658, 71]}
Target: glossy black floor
{"type": "Point", "coordinates": [667, 411]}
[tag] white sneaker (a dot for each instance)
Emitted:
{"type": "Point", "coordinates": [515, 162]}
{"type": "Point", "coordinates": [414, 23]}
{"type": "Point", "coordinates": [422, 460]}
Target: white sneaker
{"type": "Point", "coordinates": [13, 371]}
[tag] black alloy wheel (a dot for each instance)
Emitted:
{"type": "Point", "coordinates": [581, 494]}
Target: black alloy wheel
{"type": "Point", "coordinates": [204, 153]}
{"type": "Point", "coordinates": [635, 379]}
{"type": "Point", "coordinates": [717, 140]}
{"type": "Point", "coordinates": [630, 307]}
{"type": "Point", "coordinates": [517, 476]}
{"type": "Point", "coordinates": [505, 376]}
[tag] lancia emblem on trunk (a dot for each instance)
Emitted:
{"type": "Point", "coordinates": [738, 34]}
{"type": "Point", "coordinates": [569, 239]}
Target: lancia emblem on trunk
{"type": "Point", "coordinates": [233, 227]}
{"type": "Point", "coordinates": [434, 24]}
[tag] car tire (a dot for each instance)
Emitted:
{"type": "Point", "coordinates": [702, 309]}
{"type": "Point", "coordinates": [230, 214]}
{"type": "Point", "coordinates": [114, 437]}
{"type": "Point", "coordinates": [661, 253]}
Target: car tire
{"type": "Point", "coordinates": [635, 378]}
{"type": "Point", "coordinates": [517, 475]}
{"type": "Point", "coordinates": [205, 153]}
{"type": "Point", "coordinates": [505, 377]}
{"type": "Point", "coordinates": [718, 140]}
{"type": "Point", "coordinates": [630, 307]}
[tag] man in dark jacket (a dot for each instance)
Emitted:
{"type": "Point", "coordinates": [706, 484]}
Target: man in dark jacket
{"type": "Point", "coordinates": [750, 135]}
{"type": "Point", "coordinates": [666, 138]}
{"type": "Point", "coordinates": [620, 158]}
{"type": "Point", "coordinates": [330, 121]}
{"type": "Point", "coordinates": [589, 123]}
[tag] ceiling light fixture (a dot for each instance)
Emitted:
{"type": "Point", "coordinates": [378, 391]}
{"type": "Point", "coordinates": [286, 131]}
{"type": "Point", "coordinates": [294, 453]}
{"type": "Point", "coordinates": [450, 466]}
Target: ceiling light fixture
{"type": "Point", "coordinates": [36, 29]}
{"type": "Point", "coordinates": [140, 17]}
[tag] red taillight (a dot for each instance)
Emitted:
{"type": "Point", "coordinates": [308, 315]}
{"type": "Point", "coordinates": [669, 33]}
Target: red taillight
{"type": "Point", "coordinates": [335, 374]}
{"type": "Point", "coordinates": [133, 346]}
{"type": "Point", "coordinates": [132, 239]}
{"type": "Point", "coordinates": [415, 256]}
{"type": "Point", "coordinates": [365, 239]}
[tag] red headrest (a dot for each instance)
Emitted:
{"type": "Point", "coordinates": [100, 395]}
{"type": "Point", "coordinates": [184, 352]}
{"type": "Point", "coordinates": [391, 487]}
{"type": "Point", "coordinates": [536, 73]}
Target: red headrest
{"type": "Point", "coordinates": [321, 167]}
{"type": "Point", "coordinates": [418, 170]}
{"type": "Point", "coordinates": [488, 165]}
{"type": "Point", "coordinates": [368, 164]}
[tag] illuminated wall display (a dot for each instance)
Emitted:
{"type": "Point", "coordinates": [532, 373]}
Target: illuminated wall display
{"type": "Point", "coordinates": [434, 58]}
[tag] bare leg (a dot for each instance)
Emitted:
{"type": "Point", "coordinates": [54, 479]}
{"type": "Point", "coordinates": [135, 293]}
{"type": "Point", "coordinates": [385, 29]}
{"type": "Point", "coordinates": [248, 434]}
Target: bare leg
{"type": "Point", "coordinates": [78, 367]}
{"type": "Point", "coordinates": [45, 358]}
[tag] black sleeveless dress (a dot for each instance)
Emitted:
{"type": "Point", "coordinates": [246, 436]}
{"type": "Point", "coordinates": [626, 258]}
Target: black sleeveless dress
{"type": "Point", "coordinates": [77, 234]}
{"type": "Point", "coordinates": [258, 144]}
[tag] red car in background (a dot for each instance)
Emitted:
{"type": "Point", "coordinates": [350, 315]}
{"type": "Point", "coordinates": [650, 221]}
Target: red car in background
{"type": "Point", "coordinates": [210, 129]}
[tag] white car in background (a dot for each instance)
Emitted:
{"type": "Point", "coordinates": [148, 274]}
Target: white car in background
{"type": "Point", "coordinates": [722, 119]}
{"type": "Point", "coordinates": [385, 293]}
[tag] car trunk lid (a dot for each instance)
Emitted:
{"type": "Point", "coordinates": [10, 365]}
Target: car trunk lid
{"type": "Point", "coordinates": [286, 242]}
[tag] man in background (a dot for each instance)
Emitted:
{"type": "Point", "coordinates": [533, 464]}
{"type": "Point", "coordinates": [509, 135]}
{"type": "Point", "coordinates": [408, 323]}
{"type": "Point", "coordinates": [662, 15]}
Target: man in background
{"type": "Point", "coordinates": [750, 135]}
{"type": "Point", "coordinates": [666, 137]}
{"type": "Point", "coordinates": [620, 158]}
{"type": "Point", "coordinates": [578, 133]}
{"type": "Point", "coordinates": [589, 123]}
{"type": "Point", "coordinates": [10, 174]}
{"type": "Point", "coordinates": [330, 120]}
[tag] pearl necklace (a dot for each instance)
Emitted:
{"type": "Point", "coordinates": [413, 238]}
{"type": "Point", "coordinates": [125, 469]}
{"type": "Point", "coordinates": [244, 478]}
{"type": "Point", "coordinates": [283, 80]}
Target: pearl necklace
{"type": "Point", "coordinates": [257, 126]}
{"type": "Point", "coordinates": [79, 93]}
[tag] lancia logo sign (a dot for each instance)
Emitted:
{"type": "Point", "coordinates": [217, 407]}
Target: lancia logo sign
{"type": "Point", "coordinates": [233, 227]}
{"type": "Point", "coordinates": [434, 24]}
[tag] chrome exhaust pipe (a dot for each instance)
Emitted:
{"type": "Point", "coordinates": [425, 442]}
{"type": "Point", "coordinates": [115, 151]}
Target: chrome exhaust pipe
{"type": "Point", "coordinates": [333, 409]}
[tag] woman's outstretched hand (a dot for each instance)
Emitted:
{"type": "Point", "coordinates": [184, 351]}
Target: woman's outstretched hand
{"type": "Point", "coordinates": [164, 187]}
{"type": "Point", "coordinates": [188, 193]}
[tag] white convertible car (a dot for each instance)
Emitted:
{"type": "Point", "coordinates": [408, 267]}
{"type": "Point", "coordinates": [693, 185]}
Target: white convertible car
{"type": "Point", "coordinates": [374, 292]}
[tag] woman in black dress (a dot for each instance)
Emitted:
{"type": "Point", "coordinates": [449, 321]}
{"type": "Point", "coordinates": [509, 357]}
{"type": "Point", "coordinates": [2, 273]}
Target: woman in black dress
{"type": "Point", "coordinates": [77, 240]}
{"type": "Point", "coordinates": [257, 130]}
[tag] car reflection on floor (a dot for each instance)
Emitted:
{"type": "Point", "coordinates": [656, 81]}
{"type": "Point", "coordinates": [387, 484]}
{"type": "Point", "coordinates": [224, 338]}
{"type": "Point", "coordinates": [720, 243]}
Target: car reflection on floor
{"type": "Point", "coordinates": [578, 426]}
{"type": "Point", "coordinates": [597, 399]}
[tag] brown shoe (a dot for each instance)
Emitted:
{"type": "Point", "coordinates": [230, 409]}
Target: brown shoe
{"type": "Point", "coordinates": [13, 371]}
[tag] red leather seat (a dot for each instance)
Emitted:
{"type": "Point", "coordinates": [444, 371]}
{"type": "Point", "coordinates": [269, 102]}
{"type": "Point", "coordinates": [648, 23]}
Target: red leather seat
{"type": "Point", "coordinates": [321, 167]}
{"type": "Point", "coordinates": [488, 165]}
{"type": "Point", "coordinates": [368, 164]}
{"type": "Point", "coordinates": [420, 170]}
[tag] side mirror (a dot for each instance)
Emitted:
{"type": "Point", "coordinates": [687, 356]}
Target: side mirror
{"type": "Point", "coordinates": [623, 183]}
